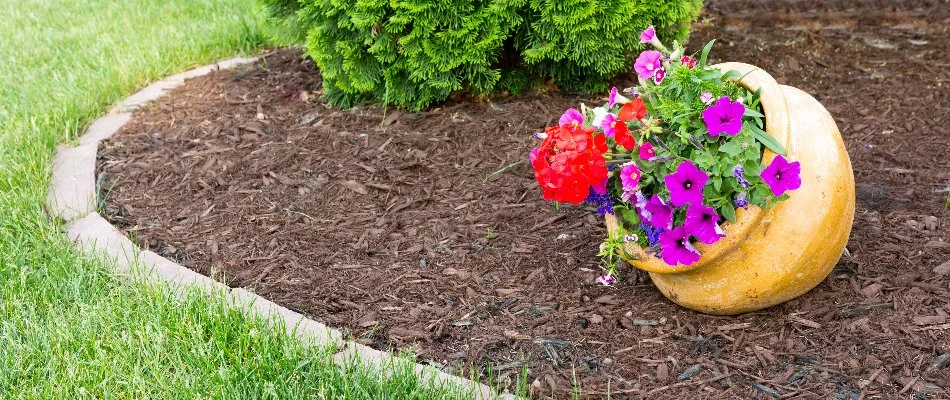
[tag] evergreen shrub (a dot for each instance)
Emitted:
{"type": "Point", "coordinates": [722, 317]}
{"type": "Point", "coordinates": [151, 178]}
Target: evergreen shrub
{"type": "Point", "coordinates": [412, 53]}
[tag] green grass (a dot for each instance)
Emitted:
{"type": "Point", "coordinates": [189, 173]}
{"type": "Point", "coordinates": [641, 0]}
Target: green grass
{"type": "Point", "coordinates": [68, 329]}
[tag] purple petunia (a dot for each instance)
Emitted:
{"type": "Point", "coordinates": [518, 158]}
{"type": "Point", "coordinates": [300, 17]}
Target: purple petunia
{"type": "Point", "coordinates": [640, 204]}
{"type": "Point", "coordinates": [724, 117]}
{"type": "Point", "coordinates": [741, 201]}
{"type": "Point", "coordinates": [703, 223]}
{"type": "Point", "coordinates": [660, 214]}
{"type": "Point", "coordinates": [613, 97]}
{"type": "Point", "coordinates": [571, 116]}
{"type": "Point", "coordinates": [648, 63]}
{"type": "Point", "coordinates": [739, 173]}
{"type": "Point", "coordinates": [676, 247]}
{"type": "Point", "coordinates": [686, 184]}
{"type": "Point", "coordinates": [782, 176]}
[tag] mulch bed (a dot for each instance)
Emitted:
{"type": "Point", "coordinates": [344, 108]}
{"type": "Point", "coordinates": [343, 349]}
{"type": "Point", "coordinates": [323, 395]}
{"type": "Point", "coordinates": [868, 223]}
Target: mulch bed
{"type": "Point", "coordinates": [428, 230]}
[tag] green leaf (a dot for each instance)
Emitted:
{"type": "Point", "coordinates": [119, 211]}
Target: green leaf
{"type": "Point", "coordinates": [732, 74]}
{"type": "Point", "coordinates": [705, 53]}
{"type": "Point", "coordinates": [752, 113]}
{"type": "Point", "coordinates": [630, 217]}
{"type": "Point", "coordinates": [732, 148]}
{"type": "Point", "coordinates": [766, 139]}
{"type": "Point", "coordinates": [729, 212]}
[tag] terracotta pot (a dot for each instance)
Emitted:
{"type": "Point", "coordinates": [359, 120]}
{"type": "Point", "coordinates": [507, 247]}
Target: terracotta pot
{"type": "Point", "coordinates": [771, 256]}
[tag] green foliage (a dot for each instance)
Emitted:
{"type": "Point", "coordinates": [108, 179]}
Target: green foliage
{"type": "Point", "coordinates": [675, 125]}
{"type": "Point", "coordinates": [412, 53]}
{"type": "Point", "coordinates": [581, 44]}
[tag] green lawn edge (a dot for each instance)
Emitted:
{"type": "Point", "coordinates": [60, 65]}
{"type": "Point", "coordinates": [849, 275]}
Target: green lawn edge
{"type": "Point", "coordinates": [69, 328]}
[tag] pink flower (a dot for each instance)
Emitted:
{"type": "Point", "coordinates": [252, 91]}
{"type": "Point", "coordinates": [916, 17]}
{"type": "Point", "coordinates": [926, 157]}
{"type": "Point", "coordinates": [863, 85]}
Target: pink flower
{"type": "Point", "coordinates": [629, 176]}
{"type": "Point", "coordinates": [686, 184]}
{"type": "Point", "coordinates": [648, 35]}
{"type": "Point", "coordinates": [724, 117]}
{"type": "Point", "coordinates": [706, 97]}
{"type": "Point", "coordinates": [648, 62]}
{"type": "Point", "coordinates": [607, 280]}
{"type": "Point", "coordinates": [782, 176]}
{"type": "Point", "coordinates": [688, 61]}
{"type": "Point", "coordinates": [609, 125]}
{"type": "Point", "coordinates": [571, 117]}
{"type": "Point", "coordinates": [703, 223]}
{"type": "Point", "coordinates": [647, 152]}
{"type": "Point", "coordinates": [676, 247]}
{"type": "Point", "coordinates": [659, 76]}
{"type": "Point", "coordinates": [613, 97]}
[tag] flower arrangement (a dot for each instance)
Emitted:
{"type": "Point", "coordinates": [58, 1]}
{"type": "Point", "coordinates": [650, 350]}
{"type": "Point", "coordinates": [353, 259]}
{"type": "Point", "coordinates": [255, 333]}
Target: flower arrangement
{"type": "Point", "coordinates": [672, 159]}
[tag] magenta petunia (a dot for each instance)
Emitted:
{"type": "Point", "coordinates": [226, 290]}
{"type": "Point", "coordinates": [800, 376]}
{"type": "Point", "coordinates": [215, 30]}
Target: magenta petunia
{"type": "Point", "coordinates": [613, 97]}
{"type": "Point", "coordinates": [659, 213]}
{"type": "Point", "coordinates": [703, 223]}
{"type": "Point", "coordinates": [686, 184]}
{"type": "Point", "coordinates": [647, 152]}
{"type": "Point", "coordinates": [648, 63]}
{"type": "Point", "coordinates": [659, 76]}
{"type": "Point", "coordinates": [782, 176]}
{"type": "Point", "coordinates": [676, 247]}
{"type": "Point", "coordinates": [629, 176]}
{"type": "Point", "coordinates": [571, 117]}
{"type": "Point", "coordinates": [724, 117]}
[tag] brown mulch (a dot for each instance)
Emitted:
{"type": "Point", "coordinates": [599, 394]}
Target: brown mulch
{"type": "Point", "coordinates": [428, 230]}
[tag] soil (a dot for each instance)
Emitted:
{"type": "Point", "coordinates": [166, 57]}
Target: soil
{"type": "Point", "coordinates": [428, 231]}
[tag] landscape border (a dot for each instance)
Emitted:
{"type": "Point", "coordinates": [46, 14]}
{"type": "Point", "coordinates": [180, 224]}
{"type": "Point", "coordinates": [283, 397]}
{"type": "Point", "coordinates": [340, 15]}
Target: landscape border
{"type": "Point", "coordinates": [72, 198]}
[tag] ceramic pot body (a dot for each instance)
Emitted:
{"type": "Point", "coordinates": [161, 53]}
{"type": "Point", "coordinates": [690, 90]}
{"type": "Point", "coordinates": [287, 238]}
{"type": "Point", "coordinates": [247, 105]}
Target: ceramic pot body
{"type": "Point", "coordinates": [771, 256]}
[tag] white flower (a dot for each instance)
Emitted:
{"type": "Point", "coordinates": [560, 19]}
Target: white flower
{"type": "Point", "coordinates": [599, 114]}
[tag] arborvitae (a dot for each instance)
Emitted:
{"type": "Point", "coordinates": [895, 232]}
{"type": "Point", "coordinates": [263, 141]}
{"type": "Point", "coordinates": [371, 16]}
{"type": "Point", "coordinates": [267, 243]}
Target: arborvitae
{"type": "Point", "coordinates": [412, 53]}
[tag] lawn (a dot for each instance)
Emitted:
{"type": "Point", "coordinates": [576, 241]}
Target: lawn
{"type": "Point", "coordinates": [69, 329]}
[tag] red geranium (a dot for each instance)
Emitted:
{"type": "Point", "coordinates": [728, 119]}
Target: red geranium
{"type": "Point", "coordinates": [634, 109]}
{"type": "Point", "coordinates": [569, 161]}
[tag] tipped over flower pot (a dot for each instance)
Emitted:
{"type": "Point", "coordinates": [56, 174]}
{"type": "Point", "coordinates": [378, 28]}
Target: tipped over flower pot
{"type": "Point", "coordinates": [771, 256]}
{"type": "Point", "coordinates": [734, 192]}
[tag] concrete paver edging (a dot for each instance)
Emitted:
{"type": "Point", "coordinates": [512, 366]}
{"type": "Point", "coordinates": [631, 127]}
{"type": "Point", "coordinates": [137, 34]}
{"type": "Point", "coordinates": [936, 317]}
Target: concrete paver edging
{"type": "Point", "coordinates": [71, 197]}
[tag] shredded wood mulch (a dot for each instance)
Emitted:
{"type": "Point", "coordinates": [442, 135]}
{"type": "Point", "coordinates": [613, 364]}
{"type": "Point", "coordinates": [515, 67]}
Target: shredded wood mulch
{"type": "Point", "coordinates": [428, 230]}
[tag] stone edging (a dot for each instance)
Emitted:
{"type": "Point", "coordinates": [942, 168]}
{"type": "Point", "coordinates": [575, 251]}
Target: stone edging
{"type": "Point", "coordinates": [72, 198]}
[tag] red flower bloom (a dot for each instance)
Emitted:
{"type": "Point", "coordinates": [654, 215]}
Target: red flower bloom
{"type": "Point", "coordinates": [568, 162]}
{"type": "Point", "coordinates": [688, 61]}
{"type": "Point", "coordinates": [624, 138]}
{"type": "Point", "coordinates": [634, 109]}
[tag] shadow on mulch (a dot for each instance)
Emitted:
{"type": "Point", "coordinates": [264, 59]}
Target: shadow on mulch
{"type": "Point", "coordinates": [428, 229]}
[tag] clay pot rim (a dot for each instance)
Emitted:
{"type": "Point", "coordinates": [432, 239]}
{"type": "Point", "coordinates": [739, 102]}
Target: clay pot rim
{"type": "Point", "coordinates": [777, 125]}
